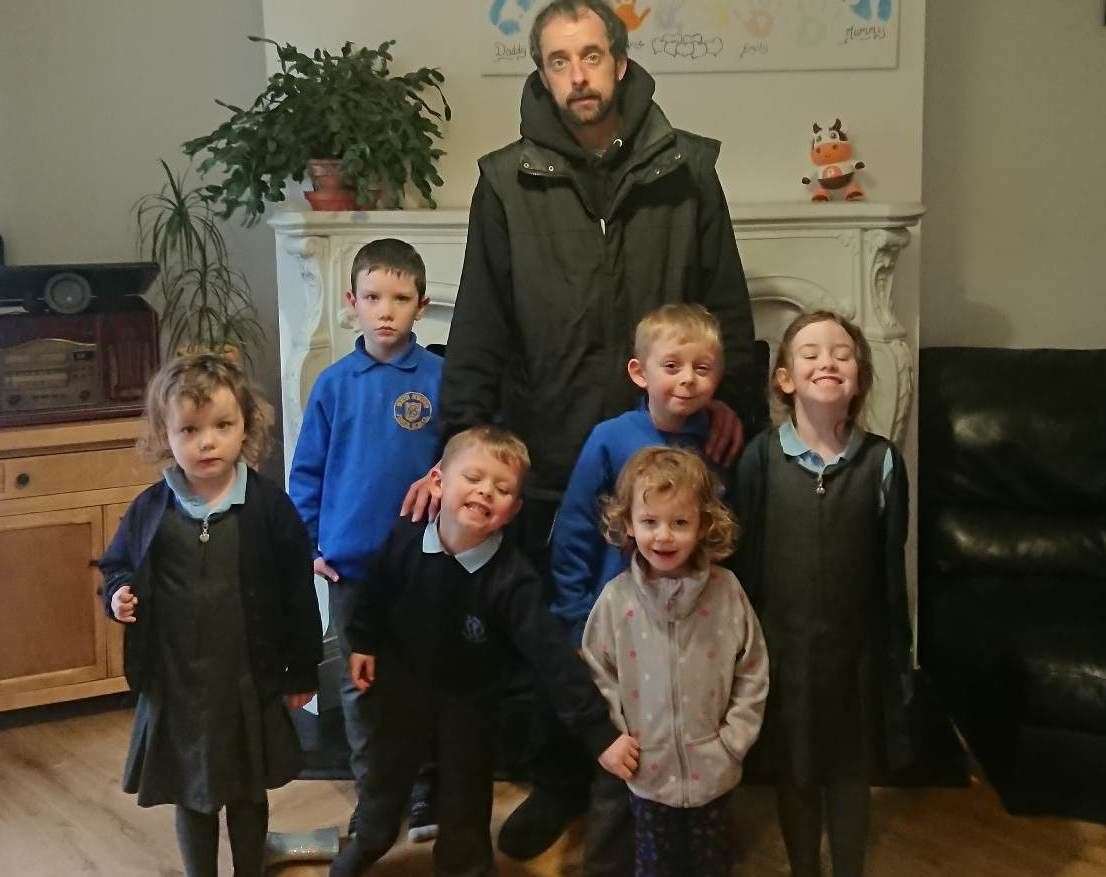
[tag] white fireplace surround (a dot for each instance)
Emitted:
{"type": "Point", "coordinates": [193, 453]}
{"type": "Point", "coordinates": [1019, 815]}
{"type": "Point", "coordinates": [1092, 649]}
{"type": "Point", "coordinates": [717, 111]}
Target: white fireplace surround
{"type": "Point", "coordinates": [797, 256]}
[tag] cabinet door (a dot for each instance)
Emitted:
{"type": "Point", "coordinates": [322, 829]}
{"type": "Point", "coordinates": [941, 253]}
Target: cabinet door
{"type": "Point", "coordinates": [113, 514]}
{"type": "Point", "coordinates": [52, 629]}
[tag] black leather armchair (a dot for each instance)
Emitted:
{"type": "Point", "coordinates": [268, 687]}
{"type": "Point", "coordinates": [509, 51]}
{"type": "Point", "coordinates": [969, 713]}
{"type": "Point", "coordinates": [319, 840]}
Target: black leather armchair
{"type": "Point", "coordinates": [1012, 566]}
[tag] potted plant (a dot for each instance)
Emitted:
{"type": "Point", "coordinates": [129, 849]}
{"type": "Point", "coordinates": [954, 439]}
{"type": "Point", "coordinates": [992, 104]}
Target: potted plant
{"type": "Point", "coordinates": [207, 305]}
{"type": "Point", "coordinates": [374, 128]}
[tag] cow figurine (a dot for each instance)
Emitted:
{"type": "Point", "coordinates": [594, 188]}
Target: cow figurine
{"type": "Point", "coordinates": [832, 156]}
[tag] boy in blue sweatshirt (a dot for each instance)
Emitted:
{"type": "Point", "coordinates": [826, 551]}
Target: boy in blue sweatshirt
{"type": "Point", "coordinates": [678, 362]}
{"type": "Point", "coordinates": [369, 430]}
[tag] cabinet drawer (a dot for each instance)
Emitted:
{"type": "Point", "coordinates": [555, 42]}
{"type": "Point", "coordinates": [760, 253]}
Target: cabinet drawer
{"type": "Point", "coordinates": [64, 473]}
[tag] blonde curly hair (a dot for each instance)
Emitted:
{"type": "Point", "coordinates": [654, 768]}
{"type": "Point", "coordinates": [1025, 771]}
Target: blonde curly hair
{"type": "Point", "coordinates": [196, 377]}
{"type": "Point", "coordinates": [664, 470]}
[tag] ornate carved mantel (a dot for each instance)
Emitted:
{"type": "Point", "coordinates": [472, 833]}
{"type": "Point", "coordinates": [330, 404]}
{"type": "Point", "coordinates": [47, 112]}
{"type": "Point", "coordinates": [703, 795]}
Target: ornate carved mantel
{"type": "Point", "coordinates": [797, 256]}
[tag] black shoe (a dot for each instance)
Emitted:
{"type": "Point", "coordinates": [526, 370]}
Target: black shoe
{"type": "Point", "coordinates": [351, 861]}
{"type": "Point", "coordinates": [536, 823]}
{"type": "Point", "coordinates": [422, 822]}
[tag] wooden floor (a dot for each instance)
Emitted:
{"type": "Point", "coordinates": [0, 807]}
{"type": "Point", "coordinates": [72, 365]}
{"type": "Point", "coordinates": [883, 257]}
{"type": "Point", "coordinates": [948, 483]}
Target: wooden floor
{"type": "Point", "coordinates": [62, 812]}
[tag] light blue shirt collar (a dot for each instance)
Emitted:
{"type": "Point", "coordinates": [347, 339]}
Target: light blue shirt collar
{"type": "Point", "coordinates": [195, 507]}
{"type": "Point", "coordinates": [471, 559]}
{"type": "Point", "coordinates": [402, 360]}
{"type": "Point", "coordinates": [809, 459]}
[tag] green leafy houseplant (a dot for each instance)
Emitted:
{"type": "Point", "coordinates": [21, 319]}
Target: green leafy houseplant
{"type": "Point", "coordinates": [323, 106]}
{"type": "Point", "coordinates": [206, 303]}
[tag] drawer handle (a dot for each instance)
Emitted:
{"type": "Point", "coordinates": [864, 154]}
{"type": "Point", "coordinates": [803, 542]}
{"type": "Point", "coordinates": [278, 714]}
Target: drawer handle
{"type": "Point", "coordinates": [22, 479]}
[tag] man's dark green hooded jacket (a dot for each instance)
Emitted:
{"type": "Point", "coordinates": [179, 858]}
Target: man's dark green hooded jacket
{"type": "Point", "coordinates": [566, 252]}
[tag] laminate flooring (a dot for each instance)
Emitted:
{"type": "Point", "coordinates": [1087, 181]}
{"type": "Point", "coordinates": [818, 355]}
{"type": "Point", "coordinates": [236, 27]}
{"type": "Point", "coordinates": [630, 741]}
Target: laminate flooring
{"type": "Point", "coordinates": [62, 812]}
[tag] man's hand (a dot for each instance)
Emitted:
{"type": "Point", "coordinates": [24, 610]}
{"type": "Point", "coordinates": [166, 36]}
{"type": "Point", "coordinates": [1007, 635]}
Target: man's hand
{"type": "Point", "coordinates": [422, 496]}
{"type": "Point", "coordinates": [296, 701]}
{"type": "Point", "coordinates": [362, 670]}
{"type": "Point", "coordinates": [322, 568]}
{"type": "Point", "coordinates": [123, 604]}
{"type": "Point", "coordinates": [621, 757]}
{"type": "Point", "coordinates": [727, 434]}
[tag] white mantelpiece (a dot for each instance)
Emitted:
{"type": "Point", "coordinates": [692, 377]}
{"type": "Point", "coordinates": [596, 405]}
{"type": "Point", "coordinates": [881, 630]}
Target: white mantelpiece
{"type": "Point", "coordinates": [797, 256]}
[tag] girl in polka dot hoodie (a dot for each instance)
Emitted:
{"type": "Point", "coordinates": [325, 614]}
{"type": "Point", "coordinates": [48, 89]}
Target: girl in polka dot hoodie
{"type": "Point", "coordinates": [676, 649]}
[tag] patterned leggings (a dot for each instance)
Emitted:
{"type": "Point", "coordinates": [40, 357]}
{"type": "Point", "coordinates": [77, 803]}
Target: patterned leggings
{"type": "Point", "coordinates": [676, 841]}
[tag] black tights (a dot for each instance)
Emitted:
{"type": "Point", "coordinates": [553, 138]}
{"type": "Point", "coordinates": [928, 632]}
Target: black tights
{"type": "Point", "coordinates": [845, 805]}
{"type": "Point", "coordinates": [198, 838]}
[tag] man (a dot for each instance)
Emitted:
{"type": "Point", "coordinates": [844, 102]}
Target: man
{"type": "Point", "coordinates": [601, 212]}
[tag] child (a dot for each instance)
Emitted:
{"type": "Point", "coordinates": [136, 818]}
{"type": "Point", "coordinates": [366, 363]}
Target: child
{"type": "Point", "coordinates": [677, 651]}
{"type": "Point", "coordinates": [369, 430]}
{"type": "Point", "coordinates": [825, 504]}
{"type": "Point", "coordinates": [211, 572]}
{"type": "Point", "coordinates": [444, 606]}
{"type": "Point", "coordinates": [678, 362]}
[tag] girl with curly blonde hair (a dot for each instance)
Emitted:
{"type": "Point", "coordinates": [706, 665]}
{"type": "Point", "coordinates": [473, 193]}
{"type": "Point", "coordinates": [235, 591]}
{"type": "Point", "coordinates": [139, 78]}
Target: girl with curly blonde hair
{"type": "Point", "coordinates": [677, 651]}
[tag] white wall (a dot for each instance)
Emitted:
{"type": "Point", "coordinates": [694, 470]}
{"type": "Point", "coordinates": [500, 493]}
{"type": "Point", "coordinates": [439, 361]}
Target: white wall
{"type": "Point", "coordinates": [92, 92]}
{"type": "Point", "coordinates": [1015, 174]}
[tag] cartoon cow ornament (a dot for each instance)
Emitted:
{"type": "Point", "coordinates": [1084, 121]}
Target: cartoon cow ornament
{"type": "Point", "coordinates": [831, 153]}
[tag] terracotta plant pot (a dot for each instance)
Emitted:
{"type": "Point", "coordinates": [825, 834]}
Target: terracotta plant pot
{"type": "Point", "coordinates": [331, 191]}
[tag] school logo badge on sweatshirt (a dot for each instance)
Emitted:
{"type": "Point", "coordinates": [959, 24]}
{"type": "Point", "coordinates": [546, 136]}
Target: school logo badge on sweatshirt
{"type": "Point", "coordinates": [473, 630]}
{"type": "Point", "coordinates": [412, 410]}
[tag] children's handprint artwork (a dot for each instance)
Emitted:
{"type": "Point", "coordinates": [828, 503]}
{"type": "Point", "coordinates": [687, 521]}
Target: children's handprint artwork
{"type": "Point", "coordinates": [679, 36]}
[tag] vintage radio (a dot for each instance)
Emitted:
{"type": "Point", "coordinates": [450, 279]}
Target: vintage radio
{"type": "Point", "coordinates": [80, 367]}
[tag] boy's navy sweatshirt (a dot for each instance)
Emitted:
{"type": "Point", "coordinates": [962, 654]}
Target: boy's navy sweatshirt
{"type": "Point", "coordinates": [457, 630]}
{"type": "Point", "coordinates": [582, 561]}
{"type": "Point", "coordinates": [369, 431]}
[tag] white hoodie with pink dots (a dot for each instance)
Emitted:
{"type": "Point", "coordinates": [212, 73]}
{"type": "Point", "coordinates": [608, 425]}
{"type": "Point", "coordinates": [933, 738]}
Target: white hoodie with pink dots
{"type": "Point", "coordinates": [683, 665]}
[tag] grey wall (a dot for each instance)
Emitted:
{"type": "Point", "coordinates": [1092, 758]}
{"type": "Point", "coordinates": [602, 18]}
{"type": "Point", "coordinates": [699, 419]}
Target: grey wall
{"type": "Point", "coordinates": [1014, 174]}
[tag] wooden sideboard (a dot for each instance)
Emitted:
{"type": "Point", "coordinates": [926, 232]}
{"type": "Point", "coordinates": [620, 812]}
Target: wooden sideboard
{"type": "Point", "coordinates": [63, 490]}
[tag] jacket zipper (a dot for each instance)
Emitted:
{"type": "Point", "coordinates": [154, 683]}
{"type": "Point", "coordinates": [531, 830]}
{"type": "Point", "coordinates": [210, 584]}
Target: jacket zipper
{"type": "Point", "coordinates": [674, 687]}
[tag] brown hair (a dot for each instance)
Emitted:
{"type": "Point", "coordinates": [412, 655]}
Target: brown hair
{"type": "Point", "coordinates": [783, 404]}
{"type": "Point", "coordinates": [617, 35]}
{"type": "Point", "coordinates": [502, 444]}
{"type": "Point", "coordinates": [196, 377]}
{"type": "Point", "coordinates": [390, 254]}
{"type": "Point", "coordinates": [667, 470]}
{"type": "Point", "coordinates": [687, 322]}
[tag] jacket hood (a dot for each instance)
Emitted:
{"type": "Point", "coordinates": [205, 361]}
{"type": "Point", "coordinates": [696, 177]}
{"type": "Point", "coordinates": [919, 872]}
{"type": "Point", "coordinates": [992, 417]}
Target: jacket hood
{"type": "Point", "coordinates": [541, 121]}
{"type": "Point", "coordinates": [668, 599]}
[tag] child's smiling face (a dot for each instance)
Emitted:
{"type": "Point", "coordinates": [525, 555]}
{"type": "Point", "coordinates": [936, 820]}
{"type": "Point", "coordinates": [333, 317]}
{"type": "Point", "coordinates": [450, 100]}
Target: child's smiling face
{"type": "Point", "coordinates": [665, 528]}
{"type": "Point", "coordinates": [480, 495]}
{"type": "Point", "coordinates": [823, 368]}
{"type": "Point", "coordinates": [679, 377]}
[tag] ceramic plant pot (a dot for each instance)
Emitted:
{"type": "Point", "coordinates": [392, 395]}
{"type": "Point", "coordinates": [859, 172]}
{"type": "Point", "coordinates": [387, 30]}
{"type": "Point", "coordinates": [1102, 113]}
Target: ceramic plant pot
{"type": "Point", "coordinates": [331, 191]}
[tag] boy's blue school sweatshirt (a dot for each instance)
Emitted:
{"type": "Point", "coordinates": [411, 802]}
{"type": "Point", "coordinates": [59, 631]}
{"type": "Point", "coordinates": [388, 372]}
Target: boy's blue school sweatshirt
{"type": "Point", "coordinates": [369, 430]}
{"type": "Point", "coordinates": [582, 562]}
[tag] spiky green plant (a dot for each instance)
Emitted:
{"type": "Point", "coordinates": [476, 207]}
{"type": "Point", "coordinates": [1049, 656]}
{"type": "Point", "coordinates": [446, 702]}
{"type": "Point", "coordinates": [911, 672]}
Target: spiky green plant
{"type": "Point", "coordinates": [207, 304]}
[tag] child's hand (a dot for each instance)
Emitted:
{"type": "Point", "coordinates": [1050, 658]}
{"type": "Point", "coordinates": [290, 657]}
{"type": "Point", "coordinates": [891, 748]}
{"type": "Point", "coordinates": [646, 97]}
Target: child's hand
{"type": "Point", "coordinates": [322, 568]}
{"type": "Point", "coordinates": [299, 700]}
{"type": "Point", "coordinates": [362, 670]}
{"type": "Point", "coordinates": [123, 604]}
{"type": "Point", "coordinates": [621, 757]}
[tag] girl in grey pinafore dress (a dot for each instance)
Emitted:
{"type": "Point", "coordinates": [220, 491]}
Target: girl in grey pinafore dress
{"type": "Point", "coordinates": [824, 509]}
{"type": "Point", "coordinates": [210, 572]}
